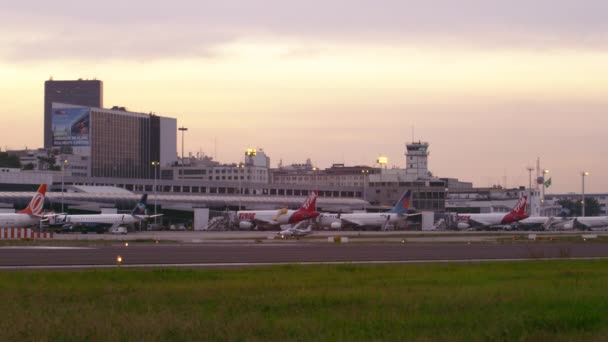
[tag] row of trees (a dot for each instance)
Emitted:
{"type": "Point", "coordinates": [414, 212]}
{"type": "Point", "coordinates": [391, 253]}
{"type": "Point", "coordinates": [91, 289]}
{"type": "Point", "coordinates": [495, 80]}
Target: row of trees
{"type": "Point", "coordinates": [9, 160]}
{"type": "Point", "coordinates": [575, 208]}
{"type": "Point", "coordinates": [49, 162]}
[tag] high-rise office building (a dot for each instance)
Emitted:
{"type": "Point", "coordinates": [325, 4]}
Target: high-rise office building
{"type": "Point", "coordinates": [113, 143]}
{"type": "Point", "coordinates": [78, 92]}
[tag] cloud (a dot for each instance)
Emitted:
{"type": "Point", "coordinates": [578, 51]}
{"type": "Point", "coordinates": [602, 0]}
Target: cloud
{"type": "Point", "coordinates": [136, 29]}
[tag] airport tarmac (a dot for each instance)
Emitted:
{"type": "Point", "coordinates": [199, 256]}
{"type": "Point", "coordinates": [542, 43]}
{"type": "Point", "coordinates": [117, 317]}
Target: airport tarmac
{"type": "Point", "coordinates": [248, 254]}
{"type": "Point", "coordinates": [267, 237]}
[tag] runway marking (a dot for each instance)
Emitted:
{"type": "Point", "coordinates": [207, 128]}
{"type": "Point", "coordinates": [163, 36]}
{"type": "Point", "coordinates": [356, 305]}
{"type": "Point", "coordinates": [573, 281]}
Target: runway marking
{"type": "Point", "coordinates": [256, 264]}
{"type": "Point", "coordinates": [45, 247]}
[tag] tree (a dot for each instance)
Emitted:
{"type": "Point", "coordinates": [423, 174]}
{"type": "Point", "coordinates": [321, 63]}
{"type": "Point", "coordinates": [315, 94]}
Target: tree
{"type": "Point", "coordinates": [9, 160]}
{"type": "Point", "coordinates": [575, 208]}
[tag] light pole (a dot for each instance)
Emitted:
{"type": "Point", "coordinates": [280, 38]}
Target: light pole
{"type": "Point", "coordinates": [155, 165]}
{"type": "Point", "coordinates": [183, 129]}
{"type": "Point", "coordinates": [64, 162]}
{"type": "Point", "coordinates": [583, 175]}
{"type": "Point", "coordinates": [530, 169]}
{"type": "Point", "coordinates": [365, 173]}
{"type": "Point", "coordinates": [314, 172]}
{"type": "Point", "coordinates": [240, 167]}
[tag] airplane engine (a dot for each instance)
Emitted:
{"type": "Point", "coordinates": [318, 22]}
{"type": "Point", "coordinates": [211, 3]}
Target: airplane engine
{"type": "Point", "coordinates": [336, 225]}
{"type": "Point", "coordinates": [462, 225]}
{"type": "Point", "coordinates": [245, 225]}
{"type": "Point", "coordinates": [568, 226]}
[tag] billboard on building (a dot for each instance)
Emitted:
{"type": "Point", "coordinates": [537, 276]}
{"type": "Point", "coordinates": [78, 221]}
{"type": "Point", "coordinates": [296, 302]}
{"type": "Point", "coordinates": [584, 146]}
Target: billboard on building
{"type": "Point", "coordinates": [71, 126]}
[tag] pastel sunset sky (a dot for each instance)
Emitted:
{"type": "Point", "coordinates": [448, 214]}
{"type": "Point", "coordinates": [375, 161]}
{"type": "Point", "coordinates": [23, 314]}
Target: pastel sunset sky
{"type": "Point", "coordinates": [491, 85]}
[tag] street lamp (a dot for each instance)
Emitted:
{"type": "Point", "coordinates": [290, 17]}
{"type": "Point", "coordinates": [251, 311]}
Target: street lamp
{"type": "Point", "coordinates": [240, 167]}
{"type": "Point", "coordinates": [583, 175]}
{"type": "Point", "coordinates": [65, 161]}
{"type": "Point", "coordinates": [314, 173]}
{"type": "Point", "coordinates": [183, 129]}
{"type": "Point", "coordinates": [155, 165]}
{"type": "Point", "coordinates": [365, 173]}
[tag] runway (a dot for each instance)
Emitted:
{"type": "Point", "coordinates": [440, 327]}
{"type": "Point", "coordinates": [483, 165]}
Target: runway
{"type": "Point", "coordinates": [221, 255]}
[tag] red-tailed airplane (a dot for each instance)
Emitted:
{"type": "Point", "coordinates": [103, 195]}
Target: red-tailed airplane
{"type": "Point", "coordinates": [516, 214]}
{"type": "Point", "coordinates": [249, 219]}
{"type": "Point", "coordinates": [30, 216]}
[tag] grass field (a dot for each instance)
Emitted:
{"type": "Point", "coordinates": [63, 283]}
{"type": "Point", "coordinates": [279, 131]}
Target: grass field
{"type": "Point", "coordinates": [541, 300]}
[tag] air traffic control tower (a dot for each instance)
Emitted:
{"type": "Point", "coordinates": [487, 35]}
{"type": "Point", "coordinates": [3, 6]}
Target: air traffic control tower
{"type": "Point", "coordinates": [416, 156]}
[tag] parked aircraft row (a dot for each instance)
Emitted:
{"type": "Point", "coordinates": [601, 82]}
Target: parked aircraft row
{"type": "Point", "coordinates": [565, 223]}
{"type": "Point", "coordinates": [269, 219]}
{"type": "Point", "coordinates": [33, 214]}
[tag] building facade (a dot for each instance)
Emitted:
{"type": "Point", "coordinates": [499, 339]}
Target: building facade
{"type": "Point", "coordinates": [254, 169]}
{"type": "Point", "coordinates": [114, 142]}
{"type": "Point", "coordinates": [336, 175]}
{"type": "Point", "coordinates": [76, 92]}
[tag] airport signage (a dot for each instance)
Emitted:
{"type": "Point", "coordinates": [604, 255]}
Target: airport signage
{"type": "Point", "coordinates": [71, 126]}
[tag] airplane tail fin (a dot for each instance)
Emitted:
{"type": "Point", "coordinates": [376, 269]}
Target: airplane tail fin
{"type": "Point", "coordinates": [310, 203]}
{"type": "Point", "coordinates": [520, 207]}
{"type": "Point", "coordinates": [37, 203]}
{"type": "Point", "coordinates": [517, 213]}
{"type": "Point", "coordinates": [403, 205]}
{"type": "Point", "coordinates": [140, 207]}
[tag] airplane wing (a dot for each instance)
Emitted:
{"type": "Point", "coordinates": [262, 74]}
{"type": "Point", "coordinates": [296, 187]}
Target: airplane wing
{"type": "Point", "coordinates": [409, 215]}
{"type": "Point", "coordinates": [258, 221]}
{"type": "Point", "coordinates": [478, 223]}
{"type": "Point", "coordinates": [145, 217]}
{"type": "Point", "coordinates": [353, 222]}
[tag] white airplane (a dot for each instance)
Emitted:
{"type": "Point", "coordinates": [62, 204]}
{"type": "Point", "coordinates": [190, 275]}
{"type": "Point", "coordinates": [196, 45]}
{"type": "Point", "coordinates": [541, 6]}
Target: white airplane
{"type": "Point", "coordinates": [589, 223]}
{"type": "Point", "coordinates": [378, 220]}
{"type": "Point", "coordinates": [249, 219]}
{"type": "Point", "coordinates": [546, 222]}
{"type": "Point", "coordinates": [28, 217]}
{"type": "Point", "coordinates": [516, 214]}
{"type": "Point", "coordinates": [295, 232]}
{"type": "Point", "coordinates": [102, 221]}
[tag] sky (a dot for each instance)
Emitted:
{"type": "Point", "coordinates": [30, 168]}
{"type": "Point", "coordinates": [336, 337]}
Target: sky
{"type": "Point", "coordinates": [491, 85]}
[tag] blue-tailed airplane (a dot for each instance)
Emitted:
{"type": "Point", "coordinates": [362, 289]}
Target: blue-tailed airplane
{"type": "Point", "coordinates": [400, 212]}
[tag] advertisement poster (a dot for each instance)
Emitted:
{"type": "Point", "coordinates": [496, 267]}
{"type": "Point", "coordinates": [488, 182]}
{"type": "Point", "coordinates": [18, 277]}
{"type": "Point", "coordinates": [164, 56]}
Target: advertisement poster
{"type": "Point", "coordinates": [71, 126]}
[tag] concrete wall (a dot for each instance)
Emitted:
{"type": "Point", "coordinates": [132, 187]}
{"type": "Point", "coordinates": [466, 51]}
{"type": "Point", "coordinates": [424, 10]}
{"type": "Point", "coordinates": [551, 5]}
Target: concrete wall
{"type": "Point", "coordinates": [201, 218]}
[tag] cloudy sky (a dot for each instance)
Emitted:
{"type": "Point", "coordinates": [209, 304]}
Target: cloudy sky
{"type": "Point", "coordinates": [491, 85]}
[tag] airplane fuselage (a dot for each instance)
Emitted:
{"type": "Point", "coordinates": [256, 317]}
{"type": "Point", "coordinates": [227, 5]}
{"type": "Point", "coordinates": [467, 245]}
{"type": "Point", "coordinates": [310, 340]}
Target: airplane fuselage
{"type": "Point", "coordinates": [490, 219]}
{"type": "Point", "coordinates": [110, 219]}
{"type": "Point", "coordinates": [270, 217]}
{"type": "Point", "coordinates": [18, 220]}
{"type": "Point", "coordinates": [359, 219]}
{"type": "Point", "coordinates": [589, 222]}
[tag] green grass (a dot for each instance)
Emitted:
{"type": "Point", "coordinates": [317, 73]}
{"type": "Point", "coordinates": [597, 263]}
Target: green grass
{"type": "Point", "coordinates": [541, 300]}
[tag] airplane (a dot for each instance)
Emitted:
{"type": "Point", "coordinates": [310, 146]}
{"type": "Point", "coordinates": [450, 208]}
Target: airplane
{"type": "Point", "coordinates": [379, 220]}
{"type": "Point", "coordinates": [249, 219]}
{"type": "Point", "coordinates": [102, 221]}
{"type": "Point", "coordinates": [561, 222]}
{"type": "Point", "coordinates": [516, 214]}
{"type": "Point", "coordinates": [587, 223]}
{"type": "Point", "coordinates": [28, 217]}
{"type": "Point", "coordinates": [295, 232]}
